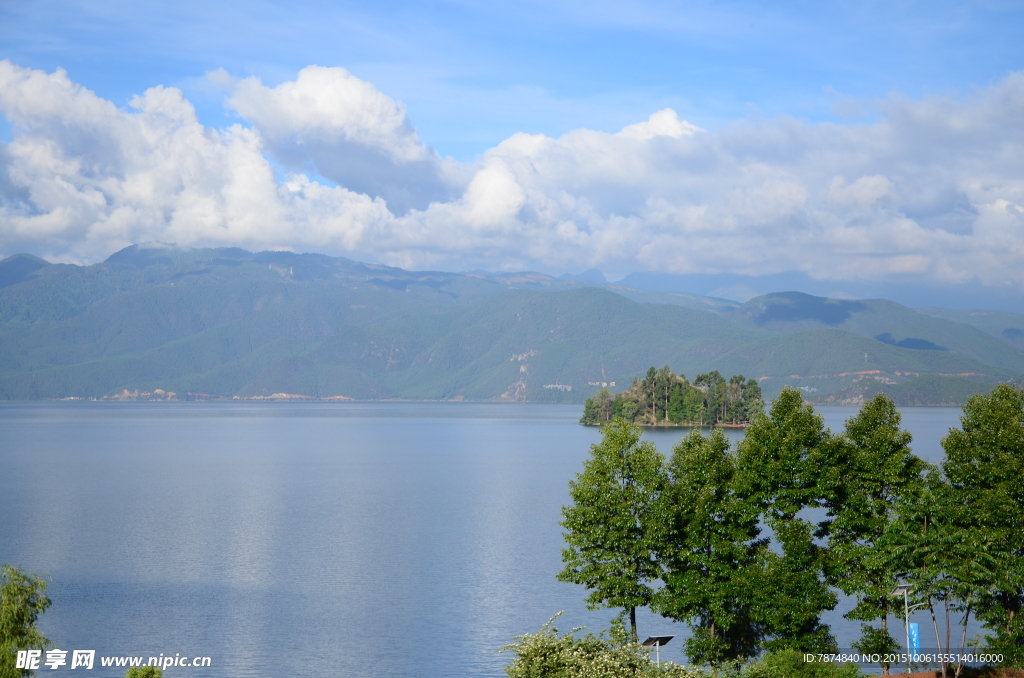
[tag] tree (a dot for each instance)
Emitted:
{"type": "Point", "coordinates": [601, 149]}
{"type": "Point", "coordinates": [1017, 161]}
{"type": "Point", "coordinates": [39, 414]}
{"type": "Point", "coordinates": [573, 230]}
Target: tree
{"type": "Point", "coordinates": [712, 384]}
{"type": "Point", "coordinates": [664, 381]}
{"type": "Point", "coordinates": [788, 593]}
{"type": "Point", "coordinates": [144, 672]}
{"type": "Point", "coordinates": [693, 405]}
{"type": "Point", "coordinates": [625, 409]}
{"type": "Point", "coordinates": [610, 547]}
{"type": "Point", "coordinates": [707, 541]}
{"type": "Point", "coordinates": [677, 401]}
{"type": "Point", "coordinates": [878, 473]}
{"type": "Point", "coordinates": [649, 398]}
{"type": "Point", "coordinates": [784, 469]}
{"type": "Point", "coordinates": [22, 599]}
{"type": "Point", "coordinates": [598, 408]}
{"type": "Point", "coordinates": [943, 563]}
{"type": "Point", "coordinates": [791, 664]}
{"type": "Point", "coordinates": [663, 396]}
{"type": "Point", "coordinates": [984, 468]}
{"type": "Point", "coordinates": [752, 399]}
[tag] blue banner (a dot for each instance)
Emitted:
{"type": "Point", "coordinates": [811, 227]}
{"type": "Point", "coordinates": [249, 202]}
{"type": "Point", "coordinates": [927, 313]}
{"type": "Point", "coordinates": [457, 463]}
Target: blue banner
{"type": "Point", "coordinates": [915, 639]}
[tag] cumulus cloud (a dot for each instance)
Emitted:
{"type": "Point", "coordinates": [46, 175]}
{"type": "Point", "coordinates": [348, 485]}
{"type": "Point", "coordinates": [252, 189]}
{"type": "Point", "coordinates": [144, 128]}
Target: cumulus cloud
{"type": "Point", "coordinates": [932, 191]}
{"type": "Point", "coordinates": [346, 130]}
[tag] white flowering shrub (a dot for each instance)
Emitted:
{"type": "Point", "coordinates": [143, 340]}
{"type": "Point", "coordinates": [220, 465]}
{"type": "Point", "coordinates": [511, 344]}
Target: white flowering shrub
{"type": "Point", "coordinates": [546, 654]}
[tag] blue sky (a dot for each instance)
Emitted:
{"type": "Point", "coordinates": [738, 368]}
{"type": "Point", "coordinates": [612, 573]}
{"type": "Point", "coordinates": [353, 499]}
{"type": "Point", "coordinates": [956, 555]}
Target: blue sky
{"type": "Point", "coordinates": [474, 73]}
{"type": "Point", "coordinates": [861, 144]}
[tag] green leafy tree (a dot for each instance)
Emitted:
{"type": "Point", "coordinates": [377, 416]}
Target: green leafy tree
{"type": "Point", "coordinates": [876, 640]}
{"type": "Point", "coordinates": [693, 404]}
{"type": "Point", "coordinates": [784, 458]}
{"type": "Point", "coordinates": [599, 408]}
{"type": "Point", "coordinates": [947, 567]}
{"type": "Point", "coordinates": [712, 384]}
{"type": "Point", "coordinates": [958, 542]}
{"type": "Point", "coordinates": [707, 541]}
{"type": "Point", "coordinates": [22, 599]}
{"type": "Point", "coordinates": [791, 664]}
{"type": "Point", "coordinates": [664, 382]}
{"type": "Point", "coordinates": [984, 468]}
{"type": "Point", "coordinates": [753, 402]}
{"type": "Point", "coordinates": [677, 402]}
{"type": "Point", "coordinates": [878, 472]}
{"type": "Point", "coordinates": [789, 594]}
{"type": "Point", "coordinates": [610, 549]}
{"type": "Point", "coordinates": [144, 672]}
{"type": "Point", "coordinates": [649, 395]}
{"type": "Point", "coordinates": [626, 409]}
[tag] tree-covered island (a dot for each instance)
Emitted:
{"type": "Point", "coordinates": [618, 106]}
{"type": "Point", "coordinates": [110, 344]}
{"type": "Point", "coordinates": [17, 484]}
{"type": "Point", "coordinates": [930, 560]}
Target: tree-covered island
{"type": "Point", "coordinates": [664, 398]}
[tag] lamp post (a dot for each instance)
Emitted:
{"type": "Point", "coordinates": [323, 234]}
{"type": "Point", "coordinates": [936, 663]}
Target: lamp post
{"type": "Point", "coordinates": [904, 590]}
{"type": "Point", "coordinates": [657, 642]}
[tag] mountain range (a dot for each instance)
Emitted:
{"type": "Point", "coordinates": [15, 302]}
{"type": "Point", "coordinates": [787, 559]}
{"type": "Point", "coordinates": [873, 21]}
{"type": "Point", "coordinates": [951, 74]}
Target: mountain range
{"type": "Point", "coordinates": [154, 320]}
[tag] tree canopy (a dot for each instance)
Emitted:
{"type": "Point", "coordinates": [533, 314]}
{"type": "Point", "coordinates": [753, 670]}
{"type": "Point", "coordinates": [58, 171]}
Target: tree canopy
{"type": "Point", "coordinates": [664, 398]}
{"type": "Point", "coordinates": [707, 540]}
{"type": "Point", "coordinates": [22, 599]}
{"type": "Point", "coordinates": [984, 509]}
{"type": "Point", "coordinates": [722, 537]}
{"type": "Point", "coordinates": [878, 474]}
{"type": "Point", "coordinates": [610, 548]}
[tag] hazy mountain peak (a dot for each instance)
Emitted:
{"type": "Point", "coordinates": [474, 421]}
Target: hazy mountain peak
{"type": "Point", "coordinates": [591, 275]}
{"type": "Point", "coordinates": [18, 268]}
{"type": "Point", "coordinates": [146, 254]}
{"type": "Point", "coordinates": [798, 306]}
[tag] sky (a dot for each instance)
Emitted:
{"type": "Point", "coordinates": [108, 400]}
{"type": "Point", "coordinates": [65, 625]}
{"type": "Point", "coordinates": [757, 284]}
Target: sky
{"type": "Point", "coordinates": [868, 143]}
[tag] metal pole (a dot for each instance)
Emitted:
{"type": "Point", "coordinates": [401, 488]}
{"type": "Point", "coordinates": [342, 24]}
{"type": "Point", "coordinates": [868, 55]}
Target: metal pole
{"type": "Point", "coordinates": [657, 651]}
{"type": "Point", "coordinates": [906, 626]}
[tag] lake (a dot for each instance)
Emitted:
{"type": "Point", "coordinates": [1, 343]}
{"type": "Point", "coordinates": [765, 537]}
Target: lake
{"type": "Point", "coordinates": [308, 539]}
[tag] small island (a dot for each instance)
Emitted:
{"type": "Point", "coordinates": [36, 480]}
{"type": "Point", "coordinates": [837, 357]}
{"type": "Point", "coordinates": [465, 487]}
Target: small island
{"type": "Point", "coordinates": [664, 398]}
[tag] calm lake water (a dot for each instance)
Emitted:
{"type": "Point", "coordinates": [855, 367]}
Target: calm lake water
{"type": "Point", "coordinates": [349, 539]}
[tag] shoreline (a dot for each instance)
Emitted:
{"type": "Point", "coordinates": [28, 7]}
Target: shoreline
{"type": "Point", "coordinates": [671, 425]}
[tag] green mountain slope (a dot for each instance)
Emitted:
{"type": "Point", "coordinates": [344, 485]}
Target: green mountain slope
{"type": "Point", "coordinates": [209, 319]}
{"type": "Point", "coordinates": [529, 345]}
{"type": "Point", "coordinates": [227, 322]}
{"type": "Point", "coordinates": [926, 390]}
{"type": "Point", "coordinates": [1006, 326]}
{"type": "Point", "coordinates": [885, 321]}
{"type": "Point", "coordinates": [821, 361]}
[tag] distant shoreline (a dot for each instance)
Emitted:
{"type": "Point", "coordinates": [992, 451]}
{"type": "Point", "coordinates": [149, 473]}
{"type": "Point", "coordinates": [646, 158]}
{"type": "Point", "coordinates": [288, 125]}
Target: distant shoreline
{"type": "Point", "coordinates": [672, 425]}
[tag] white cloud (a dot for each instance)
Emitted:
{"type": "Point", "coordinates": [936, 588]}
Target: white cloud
{"type": "Point", "coordinates": [934, 190]}
{"type": "Point", "coordinates": [346, 130]}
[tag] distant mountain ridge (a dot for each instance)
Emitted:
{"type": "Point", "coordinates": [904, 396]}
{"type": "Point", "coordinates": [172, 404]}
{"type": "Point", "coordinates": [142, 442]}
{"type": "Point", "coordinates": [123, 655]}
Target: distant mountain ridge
{"type": "Point", "coordinates": [230, 323]}
{"type": "Point", "coordinates": [742, 288]}
{"type": "Point", "coordinates": [926, 390]}
{"type": "Point", "coordinates": [1008, 327]}
{"type": "Point", "coordinates": [879, 319]}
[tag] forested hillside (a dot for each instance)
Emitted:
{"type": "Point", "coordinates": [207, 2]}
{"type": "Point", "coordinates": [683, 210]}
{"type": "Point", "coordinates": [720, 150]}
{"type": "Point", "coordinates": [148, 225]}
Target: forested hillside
{"type": "Point", "coordinates": [168, 322]}
{"type": "Point", "coordinates": [1008, 327]}
{"type": "Point", "coordinates": [885, 321]}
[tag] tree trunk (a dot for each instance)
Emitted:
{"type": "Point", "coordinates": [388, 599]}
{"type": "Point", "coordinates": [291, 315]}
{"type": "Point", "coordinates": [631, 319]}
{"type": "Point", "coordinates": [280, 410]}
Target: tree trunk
{"type": "Point", "coordinates": [945, 664]}
{"type": "Point", "coordinates": [963, 643]}
{"type": "Point", "coordinates": [885, 627]}
{"type": "Point", "coordinates": [935, 625]}
{"type": "Point", "coordinates": [632, 624]}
